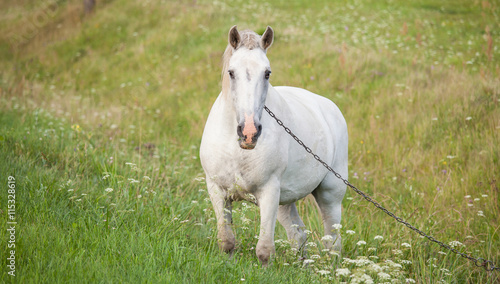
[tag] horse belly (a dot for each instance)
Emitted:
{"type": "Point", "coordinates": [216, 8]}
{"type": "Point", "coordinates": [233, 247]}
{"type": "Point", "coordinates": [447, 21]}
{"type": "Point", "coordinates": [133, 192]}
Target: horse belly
{"type": "Point", "coordinates": [297, 185]}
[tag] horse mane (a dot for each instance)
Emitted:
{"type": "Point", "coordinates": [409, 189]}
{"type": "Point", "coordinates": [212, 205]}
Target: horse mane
{"type": "Point", "coordinates": [250, 40]}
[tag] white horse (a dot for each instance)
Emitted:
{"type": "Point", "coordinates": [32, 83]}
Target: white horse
{"type": "Point", "coordinates": [246, 155]}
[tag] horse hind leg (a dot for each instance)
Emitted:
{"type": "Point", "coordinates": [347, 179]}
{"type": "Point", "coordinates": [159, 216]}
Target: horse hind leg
{"type": "Point", "coordinates": [289, 218]}
{"type": "Point", "coordinates": [328, 196]}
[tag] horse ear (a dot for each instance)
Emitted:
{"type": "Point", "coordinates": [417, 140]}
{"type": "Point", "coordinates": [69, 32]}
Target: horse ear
{"type": "Point", "coordinates": [267, 38]}
{"type": "Point", "coordinates": [234, 37]}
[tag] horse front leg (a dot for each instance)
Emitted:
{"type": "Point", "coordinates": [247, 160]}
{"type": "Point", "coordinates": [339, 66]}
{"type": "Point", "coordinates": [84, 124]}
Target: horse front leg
{"type": "Point", "coordinates": [223, 212]}
{"type": "Point", "coordinates": [268, 200]}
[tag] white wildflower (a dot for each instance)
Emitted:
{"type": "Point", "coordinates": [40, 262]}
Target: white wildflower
{"type": "Point", "coordinates": [432, 259]}
{"type": "Point", "coordinates": [362, 278]}
{"type": "Point", "coordinates": [383, 276]}
{"type": "Point", "coordinates": [327, 238]}
{"type": "Point", "coordinates": [131, 180]}
{"type": "Point", "coordinates": [442, 252]}
{"type": "Point", "coordinates": [337, 227]}
{"type": "Point", "coordinates": [109, 189]}
{"type": "Point", "coordinates": [245, 220]}
{"type": "Point", "coordinates": [334, 253]}
{"type": "Point", "coordinates": [409, 280]}
{"type": "Point", "coordinates": [378, 238]}
{"type": "Point", "coordinates": [307, 232]}
{"type": "Point", "coordinates": [374, 268]}
{"type": "Point", "coordinates": [454, 244]}
{"type": "Point", "coordinates": [350, 232]}
{"type": "Point", "coordinates": [397, 251]}
{"type": "Point", "coordinates": [360, 243]}
{"type": "Point", "coordinates": [393, 264]}
{"type": "Point", "coordinates": [311, 244]}
{"type": "Point", "coordinates": [480, 213]}
{"type": "Point", "coordinates": [404, 261]}
{"type": "Point", "coordinates": [308, 261]}
{"type": "Point", "coordinates": [360, 261]}
{"type": "Point", "coordinates": [323, 272]}
{"type": "Point", "coordinates": [315, 256]}
{"type": "Point", "coordinates": [406, 245]}
{"type": "Point", "coordinates": [342, 272]}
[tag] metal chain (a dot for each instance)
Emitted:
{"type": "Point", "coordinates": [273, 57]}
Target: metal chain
{"type": "Point", "coordinates": [488, 265]}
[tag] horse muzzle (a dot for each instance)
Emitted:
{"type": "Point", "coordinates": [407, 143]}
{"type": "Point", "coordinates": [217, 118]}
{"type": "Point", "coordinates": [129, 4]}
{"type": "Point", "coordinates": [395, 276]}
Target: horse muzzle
{"type": "Point", "coordinates": [248, 133]}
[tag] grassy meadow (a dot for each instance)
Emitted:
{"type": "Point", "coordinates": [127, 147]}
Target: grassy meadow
{"type": "Point", "coordinates": [101, 117]}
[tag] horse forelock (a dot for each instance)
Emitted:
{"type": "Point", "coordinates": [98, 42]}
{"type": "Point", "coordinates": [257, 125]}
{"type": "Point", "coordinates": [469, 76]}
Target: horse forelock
{"type": "Point", "coordinates": [249, 40]}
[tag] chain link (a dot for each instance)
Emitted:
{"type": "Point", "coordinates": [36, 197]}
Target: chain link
{"type": "Point", "coordinates": [488, 265]}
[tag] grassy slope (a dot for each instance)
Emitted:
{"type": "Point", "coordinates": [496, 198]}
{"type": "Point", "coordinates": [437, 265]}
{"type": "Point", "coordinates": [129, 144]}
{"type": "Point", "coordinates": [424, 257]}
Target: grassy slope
{"type": "Point", "coordinates": [133, 83]}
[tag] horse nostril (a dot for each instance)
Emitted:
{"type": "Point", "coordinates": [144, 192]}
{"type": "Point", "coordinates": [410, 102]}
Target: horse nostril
{"type": "Point", "coordinates": [259, 130]}
{"type": "Point", "coordinates": [239, 130]}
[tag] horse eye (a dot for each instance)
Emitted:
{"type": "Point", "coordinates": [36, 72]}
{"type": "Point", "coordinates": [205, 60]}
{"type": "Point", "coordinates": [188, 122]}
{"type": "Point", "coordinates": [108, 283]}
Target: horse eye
{"type": "Point", "coordinates": [231, 74]}
{"type": "Point", "coordinates": [268, 73]}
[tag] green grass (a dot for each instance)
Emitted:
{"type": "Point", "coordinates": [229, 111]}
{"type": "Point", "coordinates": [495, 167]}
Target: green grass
{"type": "Point", "coordinates": [101, 119]}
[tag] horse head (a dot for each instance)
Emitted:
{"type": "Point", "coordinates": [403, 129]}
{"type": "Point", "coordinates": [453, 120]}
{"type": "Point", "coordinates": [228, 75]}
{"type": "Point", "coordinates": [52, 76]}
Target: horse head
{"type": "Point", "coordinates": [246, 81]}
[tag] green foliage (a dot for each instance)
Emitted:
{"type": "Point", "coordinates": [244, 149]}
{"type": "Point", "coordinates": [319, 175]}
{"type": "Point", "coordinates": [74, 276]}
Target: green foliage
{"type": "Point", "coordinates": [101, 118]}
